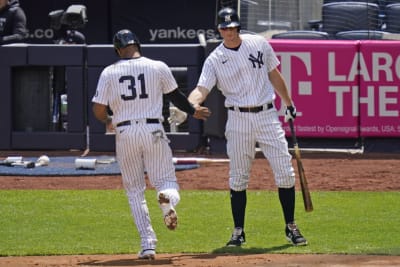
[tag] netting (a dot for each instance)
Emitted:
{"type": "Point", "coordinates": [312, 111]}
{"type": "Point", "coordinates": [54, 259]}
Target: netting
{"type": "Point", "coordinates": [264, 15]}
{"type": "Point", "coordinates": [339, 19]}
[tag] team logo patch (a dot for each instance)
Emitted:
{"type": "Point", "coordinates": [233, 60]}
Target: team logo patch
{"type": "Point", "coordinates": [228, 18]}
{"type": "Point", "coordinates": [256, 61]}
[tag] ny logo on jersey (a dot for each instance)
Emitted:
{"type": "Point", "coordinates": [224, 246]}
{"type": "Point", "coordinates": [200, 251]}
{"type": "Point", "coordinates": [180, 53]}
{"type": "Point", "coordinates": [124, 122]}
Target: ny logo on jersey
{"type": "Point", "coordinates": [257, 60]}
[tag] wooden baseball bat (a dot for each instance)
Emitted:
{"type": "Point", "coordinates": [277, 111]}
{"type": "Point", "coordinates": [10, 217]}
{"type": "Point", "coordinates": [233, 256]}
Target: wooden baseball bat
{"type": "Point", "coordinates": [303, 180]}
{"type": "Point", "coordinates": [6, 163]}
{"type": "Point", "coordinates": [17, 161]}
{"type": "Point", "coordinates": [25, 164]}
{"type": "Point", "coordinates": [195, 160]}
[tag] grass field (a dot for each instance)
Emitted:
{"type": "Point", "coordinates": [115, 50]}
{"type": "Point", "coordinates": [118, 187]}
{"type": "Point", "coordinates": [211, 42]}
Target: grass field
{"type": "Point", "coordinates": [57, 222]}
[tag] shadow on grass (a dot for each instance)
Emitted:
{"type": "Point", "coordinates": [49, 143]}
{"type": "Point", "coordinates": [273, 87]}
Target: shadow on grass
{"type": "Point", "coordinates": [251, 250]}
{"type": "Point", "coordinates": [223, 251]}
{"type": "Point", "coordinates": [127, 262]}
{"type": "Point", "coordinates": [232, 251]}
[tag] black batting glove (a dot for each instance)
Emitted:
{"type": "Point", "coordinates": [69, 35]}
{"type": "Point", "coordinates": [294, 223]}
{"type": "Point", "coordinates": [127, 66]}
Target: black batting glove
{"type": "Point", "coordinates": [290, 113]}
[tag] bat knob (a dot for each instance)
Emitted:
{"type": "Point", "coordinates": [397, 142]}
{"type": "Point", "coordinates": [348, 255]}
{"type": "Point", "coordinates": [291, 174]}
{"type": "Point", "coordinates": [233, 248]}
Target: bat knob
{"type": "Point", "coordinates": [30, 165]}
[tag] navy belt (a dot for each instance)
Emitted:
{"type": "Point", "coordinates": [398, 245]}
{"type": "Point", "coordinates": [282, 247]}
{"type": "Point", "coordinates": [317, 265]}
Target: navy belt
{"type": "Point", "coordinates": [253, 109]}
{"type": "Point", "coordinates": [127, 123]}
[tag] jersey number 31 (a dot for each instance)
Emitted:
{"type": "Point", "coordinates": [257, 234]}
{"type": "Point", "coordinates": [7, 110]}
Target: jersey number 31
{"type": "Point", "coordinates": [132, 87]}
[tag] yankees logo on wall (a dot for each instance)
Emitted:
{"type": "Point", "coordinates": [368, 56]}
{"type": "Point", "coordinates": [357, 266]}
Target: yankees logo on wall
{"type": "Point", "coordinates": [257, 59]}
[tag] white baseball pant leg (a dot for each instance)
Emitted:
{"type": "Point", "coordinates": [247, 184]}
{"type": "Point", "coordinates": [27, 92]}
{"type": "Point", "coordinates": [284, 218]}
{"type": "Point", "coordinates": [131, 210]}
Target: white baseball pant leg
{"type": "Point", "coordinates": [272, 142]}
{"type": "Point", "coordinates": [129, 144]}
{"type": "Point", "coordinates": [240, 148]}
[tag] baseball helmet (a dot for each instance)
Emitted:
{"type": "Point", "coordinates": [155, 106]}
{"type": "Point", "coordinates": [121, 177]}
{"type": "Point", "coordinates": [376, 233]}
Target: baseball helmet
{"type": "Point", "coordinates": [125, 37]}
{"type": "Point", "coordinates": [228, 18]}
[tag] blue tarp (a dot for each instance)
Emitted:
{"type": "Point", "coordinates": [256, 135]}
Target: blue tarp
{"type": "Point", "coordinates": [65, 166]}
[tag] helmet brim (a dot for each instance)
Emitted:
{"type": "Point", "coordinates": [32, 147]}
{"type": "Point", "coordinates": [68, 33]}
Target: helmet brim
{"type": "Point", "coordinates": [232, 24]}
{"type": "Point", "coordinates": [131, 42]}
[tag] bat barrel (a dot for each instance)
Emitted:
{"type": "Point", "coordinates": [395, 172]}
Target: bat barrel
{"type": "Point", "coordinates": [195, 160]}
{"type": "Point", "coordinates": [308, 206]}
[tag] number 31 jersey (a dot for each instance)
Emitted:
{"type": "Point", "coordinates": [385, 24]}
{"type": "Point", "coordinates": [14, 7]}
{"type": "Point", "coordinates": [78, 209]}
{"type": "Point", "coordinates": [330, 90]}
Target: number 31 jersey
{"type": "Point", "coordinates": [133, 88]}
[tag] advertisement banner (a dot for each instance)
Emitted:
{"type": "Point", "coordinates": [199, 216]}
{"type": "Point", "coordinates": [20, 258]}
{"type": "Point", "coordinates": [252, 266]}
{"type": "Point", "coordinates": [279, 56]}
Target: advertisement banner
{"type": "Point", "coordinates": [323, 80]}
{"type": "Point", "coordinates": [380, 88]}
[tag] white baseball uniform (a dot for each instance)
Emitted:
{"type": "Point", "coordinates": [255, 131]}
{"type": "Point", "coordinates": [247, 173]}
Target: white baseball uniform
{"type": "Point", "coordinates": [133, 89]}
{"type": "Point", "coordinates": [242, 77]}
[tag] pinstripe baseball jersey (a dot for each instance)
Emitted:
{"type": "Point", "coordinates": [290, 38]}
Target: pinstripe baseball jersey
{"type": "Point", "coordinates": [244, 72]}
{"type": "Point", "coordinates": [133, 88]}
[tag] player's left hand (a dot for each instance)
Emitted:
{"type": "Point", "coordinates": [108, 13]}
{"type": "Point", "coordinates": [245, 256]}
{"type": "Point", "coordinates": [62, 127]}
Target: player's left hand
{"type": "Point", "coordinates": [290, 113]}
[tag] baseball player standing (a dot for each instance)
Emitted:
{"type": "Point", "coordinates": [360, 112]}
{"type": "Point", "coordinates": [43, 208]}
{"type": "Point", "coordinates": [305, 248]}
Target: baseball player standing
{"type": "Point", "coordinates": [133, 89]}
{"type": "Point", "coordinates": [244, 68]}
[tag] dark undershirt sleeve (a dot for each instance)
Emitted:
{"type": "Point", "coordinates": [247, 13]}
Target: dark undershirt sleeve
{"type": "Point", "coordinates": [180, 101]}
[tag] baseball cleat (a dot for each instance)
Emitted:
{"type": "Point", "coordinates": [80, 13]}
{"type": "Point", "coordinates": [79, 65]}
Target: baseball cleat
{"type": "Point", "coordinates": [147, 254]}
{"type": "Point", "coordinates": [294, 236]}
{"type": "Point", "coordinates": [170, 216]}
{"type": "Point", "coordinates": [238, 238]}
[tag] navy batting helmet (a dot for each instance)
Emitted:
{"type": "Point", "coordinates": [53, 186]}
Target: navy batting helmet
{"type": "Point", "coordinates": [123, 38]}
{"type": "Point", "coordinates": [228, 18]}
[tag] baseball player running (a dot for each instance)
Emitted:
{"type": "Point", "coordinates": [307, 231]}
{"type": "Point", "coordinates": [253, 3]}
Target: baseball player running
{"type": "Point", "coordinates": [244, 68]}
{"type": "Point", "coordinates": [133, 89]}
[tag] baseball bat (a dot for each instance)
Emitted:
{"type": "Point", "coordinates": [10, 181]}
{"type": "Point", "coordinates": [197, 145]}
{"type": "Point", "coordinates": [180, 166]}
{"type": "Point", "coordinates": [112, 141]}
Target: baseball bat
{"type": "Point", "coordinates": [303, 180]}
{"type": "Point", "coordinates": [12, 161]}
{"type": "Point", "coordinates": [86, 104]}
{"type": "Point", "coordinates": [6, 163]}
{"type": "Point", "coordinates": [87, 150]}
{"type": "Point", "coordinates": [106, 161]}
{"type": "Point", "coordinates": [195, 160]}
{"type": "Point", "coordinates": [25, 164]}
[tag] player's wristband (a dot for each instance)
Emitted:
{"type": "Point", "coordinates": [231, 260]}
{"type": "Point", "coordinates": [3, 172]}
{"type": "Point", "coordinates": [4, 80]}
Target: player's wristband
{"type": "Point", "coordinates": [180, 101]}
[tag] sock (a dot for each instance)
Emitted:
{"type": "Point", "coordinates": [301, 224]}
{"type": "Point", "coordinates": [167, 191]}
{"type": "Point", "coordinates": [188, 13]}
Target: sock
{"type": "Point", "coordinates": [287, 199]}
{"type": "Point", "coordinates": [238, 206]}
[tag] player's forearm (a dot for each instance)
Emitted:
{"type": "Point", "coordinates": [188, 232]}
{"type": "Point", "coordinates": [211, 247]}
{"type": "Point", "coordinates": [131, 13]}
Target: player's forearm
{"type": "Point", "coordinates": [100, 113]}
{"type": "Point", "coordinates": [280, 87]}
{"type": "Point", "coordinates": [197, 96]}
{"type": "Point", "coordinates": [284, 95]}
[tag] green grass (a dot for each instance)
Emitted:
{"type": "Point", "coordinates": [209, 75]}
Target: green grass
{"type": "Point", "coordinates": [54, 222]}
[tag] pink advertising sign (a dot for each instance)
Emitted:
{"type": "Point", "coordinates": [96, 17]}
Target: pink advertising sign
{"type": "Point", "coordinates": [323, 80]}
{"type": "Point", "coordinates": [380, 88]}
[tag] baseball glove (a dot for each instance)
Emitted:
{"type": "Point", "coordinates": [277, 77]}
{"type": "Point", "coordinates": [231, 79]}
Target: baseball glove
{"type": "Point", "coordinates": [177, 116]}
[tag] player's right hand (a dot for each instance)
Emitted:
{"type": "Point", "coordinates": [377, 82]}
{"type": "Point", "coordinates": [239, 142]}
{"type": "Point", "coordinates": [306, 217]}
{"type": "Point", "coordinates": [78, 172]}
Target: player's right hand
{"type": "Point", "coordinates": [110, 128]}
{"type": "Point", "coordinates": [201, 113]}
